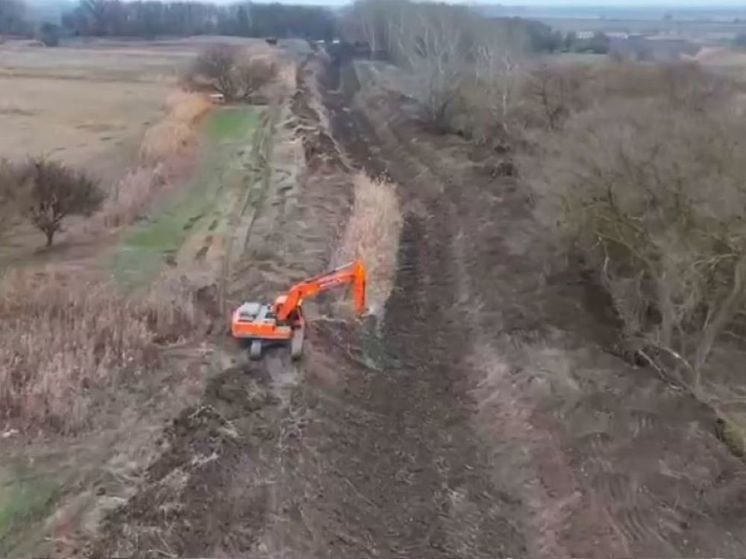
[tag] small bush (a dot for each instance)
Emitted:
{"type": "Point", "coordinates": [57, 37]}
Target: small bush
{"type": "Point", "coordinates": [50, 191]}
{"type": "Point", "coordinates": [251, 74]}
{"type": "Point", "coordinates": [228, 70]}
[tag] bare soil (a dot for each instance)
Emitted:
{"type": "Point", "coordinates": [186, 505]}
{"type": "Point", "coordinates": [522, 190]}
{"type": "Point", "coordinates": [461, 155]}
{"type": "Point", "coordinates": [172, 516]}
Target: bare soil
{"type": "Point", "coordinates": [483, 417]}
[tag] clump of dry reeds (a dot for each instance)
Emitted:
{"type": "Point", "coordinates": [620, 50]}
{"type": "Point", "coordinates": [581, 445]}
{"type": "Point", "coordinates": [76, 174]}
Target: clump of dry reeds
{"type": "Point", "coordinates": [64, 340]}
{"type": "Point", "coordinates": [372, 234]}
{"type": "Point", "coordinates": [164, 154]}
{"type": "Point", "coordinates": [176, 132]}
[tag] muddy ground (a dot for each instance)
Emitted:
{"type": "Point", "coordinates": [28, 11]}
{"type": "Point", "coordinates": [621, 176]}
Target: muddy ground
{"type": "Point", "coordinates": [484, 417]}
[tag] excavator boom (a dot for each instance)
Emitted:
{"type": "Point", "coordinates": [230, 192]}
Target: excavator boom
{"type": "Point", "coordinates": [352, 273]}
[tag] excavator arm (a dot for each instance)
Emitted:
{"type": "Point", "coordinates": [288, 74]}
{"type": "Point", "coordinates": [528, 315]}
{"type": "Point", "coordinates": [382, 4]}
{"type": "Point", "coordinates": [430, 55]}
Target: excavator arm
{"type": "Point", "coordinates": [352, 273]}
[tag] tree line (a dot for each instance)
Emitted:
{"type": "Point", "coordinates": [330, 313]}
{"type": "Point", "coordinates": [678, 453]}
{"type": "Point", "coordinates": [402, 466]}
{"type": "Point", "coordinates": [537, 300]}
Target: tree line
{"type": "Point", "coordinates": [150, 18]}
{"type": "Point", "coordinates": [13, 18]}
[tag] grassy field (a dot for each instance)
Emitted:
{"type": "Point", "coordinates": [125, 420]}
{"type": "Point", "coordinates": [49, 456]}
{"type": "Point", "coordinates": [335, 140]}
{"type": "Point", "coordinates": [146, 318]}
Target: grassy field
{"type": "Point", "coordinates": [86, 107]}
{"type": "Point", "coordinates": [156, 240]}
{"type": "Point", "coordinates": [23, 502]}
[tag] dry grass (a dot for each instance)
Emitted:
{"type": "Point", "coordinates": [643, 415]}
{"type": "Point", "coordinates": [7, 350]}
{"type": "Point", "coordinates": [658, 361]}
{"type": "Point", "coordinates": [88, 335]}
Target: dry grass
{"type": "Point", "coordinates": [164, 153]}
{"type": "Point", "coordinates": [130, 196]}
{"type": "Point", "coordinates": [372, 234]}
{"type": "Point", "coordinates": [177, 132]}
{"type": "Point", "coordinates": [79, 123]}
{"type": "Point", "coordinates": [65, 340]}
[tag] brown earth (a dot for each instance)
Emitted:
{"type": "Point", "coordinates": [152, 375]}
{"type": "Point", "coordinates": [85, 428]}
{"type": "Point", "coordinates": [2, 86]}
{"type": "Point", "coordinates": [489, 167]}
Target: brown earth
{"type": "Point", "coordinates": [482, 418]}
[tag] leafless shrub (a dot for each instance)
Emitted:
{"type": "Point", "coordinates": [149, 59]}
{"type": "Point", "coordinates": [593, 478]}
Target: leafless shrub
{"type": "Point", "coordinates": [251, 74]}
{"type": "Point", "coordinates": [683, 85]}
{"type": "Point", "coordinates": [214, 65]}
{"type": "Point", "coordinates": [65, 339]}
{"type": "Point", "coordinates": [652, 196]}
{"type": "Point", "coordinates": [554, 92]}
{"type": "Point", "coordinates": [48, 192]}
{"type": "Point", "coordinates": [230, 71]}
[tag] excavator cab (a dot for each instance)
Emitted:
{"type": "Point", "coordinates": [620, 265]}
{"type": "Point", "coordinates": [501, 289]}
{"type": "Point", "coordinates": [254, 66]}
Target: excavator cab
{"type": "Point", "coordinates": [262, 324]}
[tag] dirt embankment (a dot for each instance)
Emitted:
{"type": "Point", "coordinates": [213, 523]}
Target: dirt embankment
{"type": "Point", "coordinates": [481, 419]}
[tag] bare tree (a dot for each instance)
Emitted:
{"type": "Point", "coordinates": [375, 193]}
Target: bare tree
{"type": "Point", "coordinates": [52, 192]}
{"type": "Point", "coordinates": [556, 91]}
{"type": "Point", "coordinates": [214, 65]}
{"type": "Point", "coordinates": [499, 66]}
{"type": "Point", "coordinates": [230, 71]}
{"type": "Point", "coordinates": [434, 42]}
{"type": "Point", "coordinates": [653, 197]}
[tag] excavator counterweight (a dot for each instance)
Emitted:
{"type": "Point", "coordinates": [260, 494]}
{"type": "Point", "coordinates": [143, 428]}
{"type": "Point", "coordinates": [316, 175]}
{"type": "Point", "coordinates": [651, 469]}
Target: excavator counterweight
{"type": "Point", "coordinates": [282, 321]}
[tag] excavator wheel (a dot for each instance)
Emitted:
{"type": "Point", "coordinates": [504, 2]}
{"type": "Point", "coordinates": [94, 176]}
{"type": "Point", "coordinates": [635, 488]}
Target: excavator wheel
{"type": "Point", "coordinates": [255, 350]}
{"type": "Point", "coordinates": [296, 343]}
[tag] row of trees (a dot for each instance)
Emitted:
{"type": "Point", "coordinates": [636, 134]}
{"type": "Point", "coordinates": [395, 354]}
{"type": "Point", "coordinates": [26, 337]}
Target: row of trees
{"type": "Point", "coordinates": [466, 69]}
{"type": "Point", "coordinates": [473, 75]}
{"type": "Point", "coordinates": [151, 18]}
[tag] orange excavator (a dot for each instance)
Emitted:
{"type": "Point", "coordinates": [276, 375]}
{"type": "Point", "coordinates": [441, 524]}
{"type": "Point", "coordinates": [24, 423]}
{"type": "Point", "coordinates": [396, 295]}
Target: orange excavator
{"type": "Point", "coordinates": [263, 324]}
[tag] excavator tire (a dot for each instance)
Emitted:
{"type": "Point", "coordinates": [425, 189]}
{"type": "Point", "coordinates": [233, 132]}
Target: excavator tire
{"type": "Point", "coordinates": [296, 343]}
{"type": "Point", "coordinates": [255, 350]}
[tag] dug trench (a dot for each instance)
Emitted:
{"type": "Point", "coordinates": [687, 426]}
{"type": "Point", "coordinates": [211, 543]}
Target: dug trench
{"type": "Point", "coordinates": [476, 420]}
